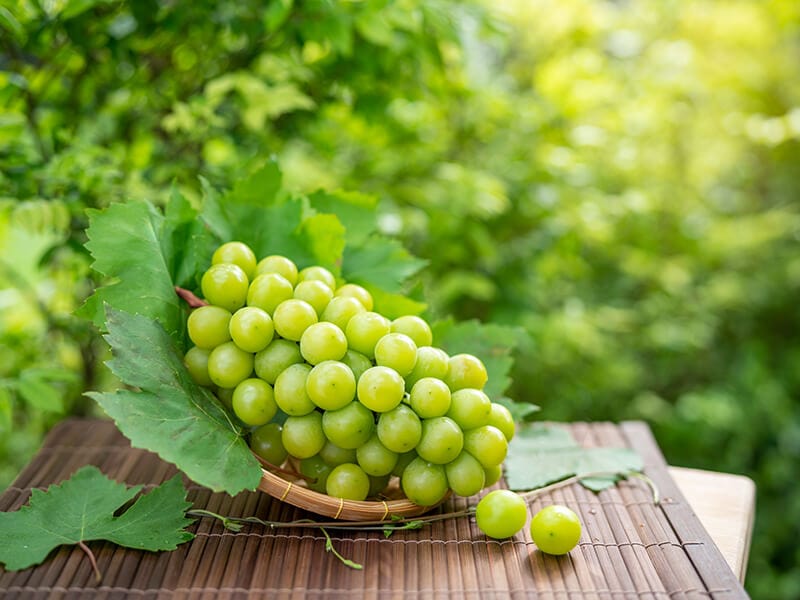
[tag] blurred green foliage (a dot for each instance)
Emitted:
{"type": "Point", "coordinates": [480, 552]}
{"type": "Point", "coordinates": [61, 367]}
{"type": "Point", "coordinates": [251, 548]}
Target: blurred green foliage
{"type": "Point", "coordinates": [620, 178]}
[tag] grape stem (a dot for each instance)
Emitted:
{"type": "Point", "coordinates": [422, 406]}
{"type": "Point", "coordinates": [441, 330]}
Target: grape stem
{"type": "Point", "coordinates": [192, 300]}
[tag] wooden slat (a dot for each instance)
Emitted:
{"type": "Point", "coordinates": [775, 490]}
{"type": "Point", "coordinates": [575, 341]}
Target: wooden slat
{"type": "Point", "coordinates": [629, 548]}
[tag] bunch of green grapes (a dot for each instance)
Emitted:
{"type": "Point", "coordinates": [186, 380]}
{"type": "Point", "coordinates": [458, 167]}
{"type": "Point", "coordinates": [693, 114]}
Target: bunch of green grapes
{"type": "Point", "coordinates": [353, 397]}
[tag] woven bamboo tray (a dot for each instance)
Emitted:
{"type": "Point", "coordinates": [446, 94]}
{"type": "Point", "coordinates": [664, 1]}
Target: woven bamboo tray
{"type": "Point", "coordinates": [630, 548]}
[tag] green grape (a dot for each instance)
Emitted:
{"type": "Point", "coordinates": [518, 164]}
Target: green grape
{"type": "Point", "coordinates": [208, 326]}
{"type": "Point", "coordinates": [357, 362]}
{"type": "Point", "coordinates": [317, 470]}
{"type": "Point", "coordinates": [399, 429]}
{"type": "Point", "coordinates": [196, 361]}
{"type": "Point", "coordinates": [375, 458]}
{"type": "Point", "coordinates": [335, 455]}
{"type": "Point", "coordinates": [431, 362]}
{"type": "Point", "coordinates": [377, 484]}
{"type": "Point", "coordinates": [331, 385]}
{"type": "Point", "coordinates": [347, 481]}
{"type": "Point", "coordinates": [292, 317]}
{"type": "Point", "coordinates": [268, 290]}
{"type": "Point", "coordinates": [350, 426]}
{"type": "Point", "coordinates": [470, 408]}
{"type": "Point", "coordinates": [290, 390]}
{"type": "Point", "coordinates": [380, 388]}
{"type": "Point", "coordinates": [254, 402]}
{"type": "Point", "coordinates": [501, 514]}
{"type": "Point", "coordinates": [414, 327]}
{"type": "Point", "coordinates": [280, 265]}
{"type": "Point", "coordinates": [465, 371]}
{"type": "Point", "coordinates": [225, 285]}
{"type": "Point", "coordinates": [322, 341]}
{"type": "Point", "coordinates": [501, 418]}
{"type": "Point", "coordinates": [487, 444]}
{"type": "Point", "coordinates": [340, 310]}
{"type": "Point", "coordinates": [275, 359]}
{"type": "Point", "coordinates": [397, 351]}
{"type": "Point", "coordinates": [225, 396]}
{"type": "Point", "coordinates": [493, 474]}
{"type": "Point", "coordinates": [303, 436]}
{"type": "Point", "coordinates": [430, 397]}
{"type": "Point", "coordinates": [403, 461]}
{"type": "Point", "coordinates": [465, 475]}
{"type": "Point", "coordinates": [266, 442]}
{"type": "Point", "coordinates": [364, 330]}
{"type": "Point", "coordinates": [424, 483]}
{"type": "Point", "coordinates": [441, 440]}
{"type": "Point", "coordinates": [353, 290]}
{"type": "Point", "coordinates": [315, 292]}
{"type": "Point", "coordinates": [251, 328]}
{"type": "Point", "coordinates": [555, 529]}
{"type": "Point", "coordinates": [317, 273]}
{"type": "Point", "coordinates": [236, 253]}
{"type": "Point", "coordinates": [228, 365]}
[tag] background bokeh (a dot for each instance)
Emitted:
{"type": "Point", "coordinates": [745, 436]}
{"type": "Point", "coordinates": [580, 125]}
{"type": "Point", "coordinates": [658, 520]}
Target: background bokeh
{"type": "Point", "coordinates": [620, 178]}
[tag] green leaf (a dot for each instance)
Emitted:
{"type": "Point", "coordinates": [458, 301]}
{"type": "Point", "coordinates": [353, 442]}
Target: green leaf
{"type": "Point", "coordinates": [355, 210]}
{"type": "Point", "coordinates": [5, 409]}
{"type": "Point", "coordinates": [187, 241]}
{"type": "Point", "coordinates": [73, 8]}
{"type": "Point", "coordinates": [542, 454]}
{"type": "Point", "coordinates": [82, 508]}
{"type": "Point", "coordinates": [381, 262]}
{"type": "Point", "coordinates": [276, 13]}
{"type": "Point", "coordinates": [33, 388]}
{"type": "Point", "coordinates": [171, 415]}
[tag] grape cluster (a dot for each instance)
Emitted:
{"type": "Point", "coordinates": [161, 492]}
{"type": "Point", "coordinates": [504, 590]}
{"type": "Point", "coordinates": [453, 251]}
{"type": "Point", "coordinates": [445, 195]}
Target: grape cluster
{"type": "Point", "coordinates": [353, 397]}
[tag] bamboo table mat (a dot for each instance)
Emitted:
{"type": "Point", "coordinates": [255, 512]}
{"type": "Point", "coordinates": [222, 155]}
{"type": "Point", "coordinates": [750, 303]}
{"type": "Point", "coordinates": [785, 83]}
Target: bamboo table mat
{"type": "Point", "coordinates": [629, 548]}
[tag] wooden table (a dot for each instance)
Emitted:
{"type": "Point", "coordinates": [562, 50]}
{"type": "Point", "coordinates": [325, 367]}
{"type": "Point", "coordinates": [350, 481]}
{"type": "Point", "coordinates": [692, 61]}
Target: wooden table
{"type": "Point", "coordinates": [630, 547]}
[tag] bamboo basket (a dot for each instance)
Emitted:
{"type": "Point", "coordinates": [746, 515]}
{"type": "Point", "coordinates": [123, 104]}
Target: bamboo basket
{"type": "Point", "coordinates": [294, 491]}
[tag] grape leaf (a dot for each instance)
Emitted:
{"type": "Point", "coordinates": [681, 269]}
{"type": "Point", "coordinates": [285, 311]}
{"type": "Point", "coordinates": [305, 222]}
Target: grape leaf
{"type": "Point", "coordinates": [171, 415]}
{"type": "Point", "coordinates": [541, 454]}
{"type": "Point", "coordinates": [82, 508]}
{"type": "Point", "coordinates": [382, 262]}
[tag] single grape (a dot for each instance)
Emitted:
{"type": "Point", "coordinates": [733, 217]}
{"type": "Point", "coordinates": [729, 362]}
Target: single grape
{"type": "Point", "coordinates": [340, 310]}
{"type": "Point", "coordinates": [208, 326]}
{"type": "Point", "coordinates": [251, 328]}
{"type": "Point", "coordinates": [265, 441]}
{"type": "Point", "coordinates": [430, 397]}
{"type": "Point", "coordinates": [397, 351]}
{"type": "Point", "coordinates": [465, 475]}
{"type": "Point", "coordinates": [228, 365]}
{"type": "Point", "coordinates": [375, 458]}
{"type": "Point", "coordinates": [335, 455]}
{"type": "Point", "coordinates": [501, 514]}
{"type": "Point", "coordinates": [348, 481]}
{"type": "Point", "coordinates": [254, 402]}
{"type": "Point", "coordinates": [353, 290]}
{"type": "Point", "coordinates": [431, 362]}
{"type": "Point", "coordinates": [225, 285]}
{"type": "Point", "coordinates": [278, 264]}
{"type": "Point", "coordinates": [364, 330]}
{"type": "Point", "coordinates": [357, 362]}
{"type": "Point", "coordinates": [317, 273]}
{"type": "Point", "coordinates": [441, 440]}
{"type": "Point", "coordinates": [470, 408]}
{"type": "Point", "coordinates": [317, 470]}
{"type": "Point", "coordinates": [315, 292]}
{"type": "Point", "coordinates": [268, 290]}
{"type": "Point", "coordinates": [487, 444]}
{"type": "Point", "coordinates": [380, 388]}
{"type": "Point", "coordinates": [414, 327]}
{"type": "Point", "coordinates": [322, 341]}
{"type": "Point", "coordinates": [331, 385]}
{"type": "Point", "coordinates": [501, 418]}
{"type": "Point", "coordinates": [493, 474]}
{"type": "Point", "coordinates": [303, 436]}
{"type": "Point", "coordinates": [350, 426]}
{"type": "Point", "coordinates": [196, 361]}
{"type": "Point", "coordinates": [225, 395]}
{"type": "Point", "coordinates": [292, 317]}
{"type": "Point", "coordinates": [290, 390]}
{"type": "Point", "coordinates": [276, 358]}
{"type": "Point", "coordinates": [465, 371]}
{"type": "Point", "coordinates": [236, 253]}
{"type": "Point", "coordinates": [555, 529]}
{"type": "Point", "coordinates": [403, 460]}
{"type": "Point", "coordinates": [424, 483]}
{"type": "Point", "coordinates": [399, 429]}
